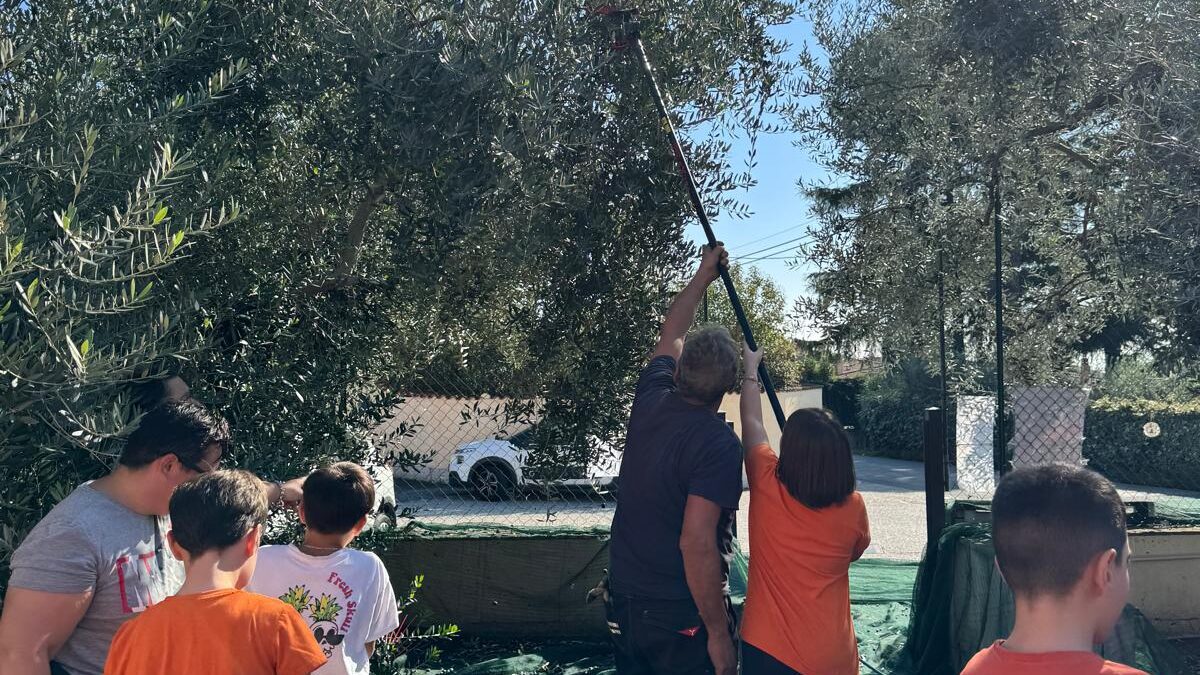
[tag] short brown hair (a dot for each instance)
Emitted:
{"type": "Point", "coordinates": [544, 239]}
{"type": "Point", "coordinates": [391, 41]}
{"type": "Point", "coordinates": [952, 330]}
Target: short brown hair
{"type": "Point", "coordinates": [815, 462]}
{"type": "Point", "coordinates": [1049, 522]}
{"type": "Point", "coordinates": [708, 366]}
{"type": "Point", "coordinates": [215, 510]}
{"type": "Point", "coordinates": [336, 497]}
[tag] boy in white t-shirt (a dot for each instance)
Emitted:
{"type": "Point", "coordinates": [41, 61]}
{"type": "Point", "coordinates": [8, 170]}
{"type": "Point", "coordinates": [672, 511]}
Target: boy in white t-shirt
{"type": "Point", "coordinates": [344, 594]}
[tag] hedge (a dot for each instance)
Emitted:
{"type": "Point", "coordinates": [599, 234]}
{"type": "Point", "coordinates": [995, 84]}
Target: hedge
{"type": "Point", "coordinates": [1116, 444]}
{"type": "Point", "coordinates": [841, 398]}
{"type": "Point", "coordinates": [891, 410]}
{"type": "Point", "coordinates": [891, 425]}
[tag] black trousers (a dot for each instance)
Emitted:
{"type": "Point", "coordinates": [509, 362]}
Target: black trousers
{"type": "Point", "coordinates": [757, 662]}
{"type": "Point", "coordinates": [660, 637]}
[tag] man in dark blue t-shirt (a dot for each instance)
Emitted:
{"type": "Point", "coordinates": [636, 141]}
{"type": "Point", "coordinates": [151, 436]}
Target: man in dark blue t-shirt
{"type": "Point", "coordinates": [681, 481]}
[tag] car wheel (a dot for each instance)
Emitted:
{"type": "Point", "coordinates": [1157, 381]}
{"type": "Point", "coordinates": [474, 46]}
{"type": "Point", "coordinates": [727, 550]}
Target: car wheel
{"type": "Point", "coordinates": [491, 483]}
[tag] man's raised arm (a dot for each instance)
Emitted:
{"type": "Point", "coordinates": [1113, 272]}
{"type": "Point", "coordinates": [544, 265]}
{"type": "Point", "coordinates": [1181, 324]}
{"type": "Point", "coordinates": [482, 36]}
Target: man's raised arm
{"type": "Point", "coordinates": [683, 308]}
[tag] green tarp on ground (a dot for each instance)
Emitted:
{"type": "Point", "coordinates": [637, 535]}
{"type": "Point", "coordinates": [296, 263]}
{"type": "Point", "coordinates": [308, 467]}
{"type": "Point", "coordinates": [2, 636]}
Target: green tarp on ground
{"type": "Point", "coordinates": [470, 573]}
{"type": "Point", "coordinates": [880, 603]}
{"type": "Point", "coordinates": [961, 605]}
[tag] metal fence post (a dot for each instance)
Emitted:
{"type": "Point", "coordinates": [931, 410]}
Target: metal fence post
{"type": "Point", "coordinates": [1000, 454]}
{"type": "Point", "coordinates": [947, 455]}
{"type": "Point", "coordinates": [935, 490]}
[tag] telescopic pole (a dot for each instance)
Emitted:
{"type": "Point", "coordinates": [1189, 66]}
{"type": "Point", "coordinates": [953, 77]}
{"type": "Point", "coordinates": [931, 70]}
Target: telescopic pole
{"type": "Point", "coordinates": [633, 37]}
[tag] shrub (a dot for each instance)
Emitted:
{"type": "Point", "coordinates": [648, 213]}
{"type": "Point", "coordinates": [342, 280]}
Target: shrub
{"type": "Point", "coordinates": [1137, 378]}
{"type": "Point", "coordinates": [841, 398]}
{"type": "Point", "coordinates": [817, 368]}
{"type": "Point", "coordinates": [97, 208]}
{"type": "Point", "coordinates": [413, 644]}
{"type": "Point", "coordinates": [891, 409]}
{"type": "Point", "coordinates": [1117, 446]}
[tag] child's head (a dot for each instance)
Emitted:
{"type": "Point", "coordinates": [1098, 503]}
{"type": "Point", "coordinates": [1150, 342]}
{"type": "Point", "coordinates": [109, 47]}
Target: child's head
{"type": "Point", "coordinates": [1059, 532]}
{"type": "Point", "coordinates": [337, 499]}
{"type": "Point", "coordinates": [815, 462]}
{"type": "Point", "coordinates": [220, 512]}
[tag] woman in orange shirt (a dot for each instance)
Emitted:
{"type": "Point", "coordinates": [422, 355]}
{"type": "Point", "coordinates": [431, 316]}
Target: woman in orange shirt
{"type": "Point", "coordinates": [807, 524]}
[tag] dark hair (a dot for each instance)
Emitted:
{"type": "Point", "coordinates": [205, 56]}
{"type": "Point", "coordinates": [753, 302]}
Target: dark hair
{"type": "Point", "coordinates": [336, 497]}
{"type": "Point", "coordinates": [154, 393]}
{"type": "Point", "coordinates": [181, 428]}
{"type": "Point", "coordinates": [708, 365]}
{"type": "Point", "coordinates": [217, 509]}
{"type": "Point", "coordinates": [1049, 522]}
{"type": "Point", "coordinates": [815, 462]}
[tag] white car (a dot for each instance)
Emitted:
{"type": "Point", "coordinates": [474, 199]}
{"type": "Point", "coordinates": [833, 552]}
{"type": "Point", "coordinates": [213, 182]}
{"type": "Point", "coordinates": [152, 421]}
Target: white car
{"type": "Point", "coordinates": [495, 469]}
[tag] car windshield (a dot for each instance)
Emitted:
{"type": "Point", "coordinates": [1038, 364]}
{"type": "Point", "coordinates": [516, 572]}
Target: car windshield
{"type": "Point", "coordinates": [523, 439]}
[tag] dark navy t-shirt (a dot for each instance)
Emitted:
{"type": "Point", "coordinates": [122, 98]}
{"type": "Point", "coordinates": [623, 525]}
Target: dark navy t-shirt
{"type": "Point", "coordinates": [673, 449]}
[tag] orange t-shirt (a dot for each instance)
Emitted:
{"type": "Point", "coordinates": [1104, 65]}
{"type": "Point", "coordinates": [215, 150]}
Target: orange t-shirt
{"type": "Point", "coordinates": [996, 660]}
{"type": "Point", "coordinates": [798, 599]}
{"type": "Point", "coordinates": [222, 631]}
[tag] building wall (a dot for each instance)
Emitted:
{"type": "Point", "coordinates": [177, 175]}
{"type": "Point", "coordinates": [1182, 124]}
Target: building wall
{"type": "Point", "coordinates": [790, 400]}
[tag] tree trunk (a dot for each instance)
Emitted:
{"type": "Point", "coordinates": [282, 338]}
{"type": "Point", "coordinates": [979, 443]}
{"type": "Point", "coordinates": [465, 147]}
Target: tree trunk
{"type": "Point", "coordinates": [358, 229]}
{"type": "Point", "coordinates": [352, 251]}
{"type": "Point", "coordinates": [1112, 354]}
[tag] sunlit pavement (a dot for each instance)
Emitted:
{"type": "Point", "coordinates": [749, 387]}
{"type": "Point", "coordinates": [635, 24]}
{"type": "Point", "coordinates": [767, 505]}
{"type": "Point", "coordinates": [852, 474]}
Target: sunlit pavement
{"type": "Point", "coordinates": [892, 489]}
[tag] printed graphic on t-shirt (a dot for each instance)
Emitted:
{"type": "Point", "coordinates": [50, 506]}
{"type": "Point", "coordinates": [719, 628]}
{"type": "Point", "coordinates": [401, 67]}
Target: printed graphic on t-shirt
{"type": "Point", "coordinates": [139, 582]}
{"type": "Point", "coordinates": [327, 617]}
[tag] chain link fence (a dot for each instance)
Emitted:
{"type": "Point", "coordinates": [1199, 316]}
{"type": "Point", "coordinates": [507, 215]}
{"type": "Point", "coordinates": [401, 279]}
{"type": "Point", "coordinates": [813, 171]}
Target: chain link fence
{"type": "Point", "coordinates": [460, 457]}
{"type": "Point", "coordinates": [1149, 447]}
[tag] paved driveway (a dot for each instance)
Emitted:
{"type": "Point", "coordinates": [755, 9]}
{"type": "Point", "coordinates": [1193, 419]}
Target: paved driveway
{"type": "Point", "coordinates": [892, 490]}
{"type": "Point", "coordinates": [894, 493]}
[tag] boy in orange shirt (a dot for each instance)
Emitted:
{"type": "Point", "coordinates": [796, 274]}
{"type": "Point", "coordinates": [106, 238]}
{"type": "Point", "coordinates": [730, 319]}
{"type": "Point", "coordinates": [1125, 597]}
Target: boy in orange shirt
{"type": "Point", "coordinates": [1059, 533]}
{"type": "Point", "coordinates": [211, 625]}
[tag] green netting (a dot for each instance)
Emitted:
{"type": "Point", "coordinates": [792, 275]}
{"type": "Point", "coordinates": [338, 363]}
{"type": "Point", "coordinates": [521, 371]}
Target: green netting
{"type": "Point", "coordinates": [961, 605]}
{"type": "Point", "coordinates": [880, 603]}
{"type": "Point", "coordinates": [417, 529]}
{"type": "Point", "coordinates": [911, 619]}
{"type": "Point", "coordinates": [1176, 511]}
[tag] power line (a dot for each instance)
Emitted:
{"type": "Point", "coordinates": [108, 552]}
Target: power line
{"type": "Point", "coordinates": [768, 250]}
{"type": "Point", "coordinates": [774, 247]}
{"type": "Point", "coordinates": [774, 234]}
{"type": "Point", "coordinates": [771, 257]}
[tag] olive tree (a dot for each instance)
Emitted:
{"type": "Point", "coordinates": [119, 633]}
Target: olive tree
{"type": "Point", "coordinates": [309, 209]}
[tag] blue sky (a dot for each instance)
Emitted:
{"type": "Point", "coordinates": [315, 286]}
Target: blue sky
{"type": "Point", "coordinates": [779, 210]}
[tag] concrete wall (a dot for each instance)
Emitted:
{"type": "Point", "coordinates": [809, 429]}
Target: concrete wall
{"type": "Point", "coordinates": [1165, 577]}
{"type": "Point", "coordinates": [504, 587]}
{"type": "Point", "coordinates": [790, 400]}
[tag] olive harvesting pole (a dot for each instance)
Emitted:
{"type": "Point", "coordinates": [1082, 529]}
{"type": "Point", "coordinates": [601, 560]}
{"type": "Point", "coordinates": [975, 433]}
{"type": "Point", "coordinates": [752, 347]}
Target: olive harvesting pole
{"type": "Point", "coordinates": [630, 36]}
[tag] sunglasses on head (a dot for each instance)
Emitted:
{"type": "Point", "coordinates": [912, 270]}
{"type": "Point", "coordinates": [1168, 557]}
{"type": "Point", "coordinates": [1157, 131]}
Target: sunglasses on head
{"type": "Point", "coordinates": [202, 466]}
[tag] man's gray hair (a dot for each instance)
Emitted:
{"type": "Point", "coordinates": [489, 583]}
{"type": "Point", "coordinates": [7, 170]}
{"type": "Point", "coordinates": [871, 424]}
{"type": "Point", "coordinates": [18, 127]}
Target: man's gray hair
{"type": "Point", "coordinates": [708, 366]}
